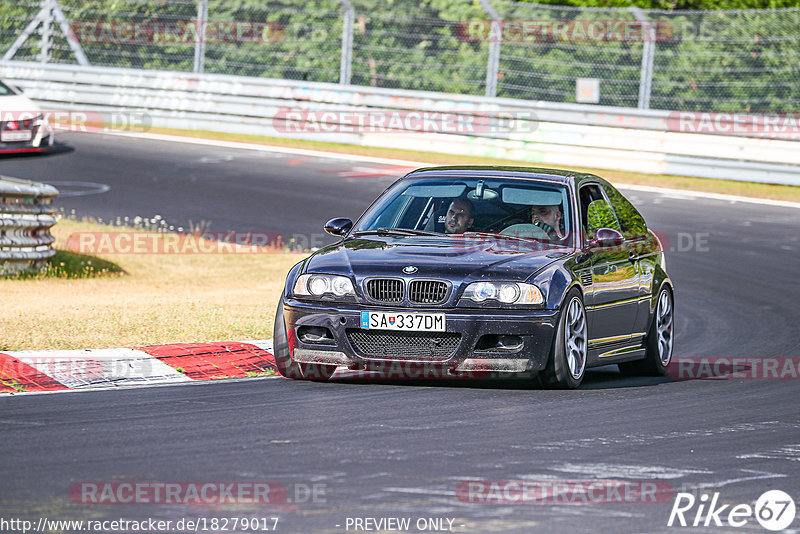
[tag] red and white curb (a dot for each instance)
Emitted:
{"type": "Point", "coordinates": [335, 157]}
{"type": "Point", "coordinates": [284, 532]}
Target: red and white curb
{"type": "Point", "coordinates": [55, 370]}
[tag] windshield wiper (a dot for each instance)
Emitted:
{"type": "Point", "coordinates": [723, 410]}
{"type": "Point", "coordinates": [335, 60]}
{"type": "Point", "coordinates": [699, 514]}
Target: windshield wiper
{"type": "Point", "coordinates": [395, 231]}
{"type": "Point", "coordinates": [496, 235]}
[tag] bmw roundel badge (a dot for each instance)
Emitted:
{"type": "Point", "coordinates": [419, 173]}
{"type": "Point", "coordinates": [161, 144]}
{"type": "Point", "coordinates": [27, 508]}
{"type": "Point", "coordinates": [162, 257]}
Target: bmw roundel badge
{"type": "Point", "coordinates": [410, 269]}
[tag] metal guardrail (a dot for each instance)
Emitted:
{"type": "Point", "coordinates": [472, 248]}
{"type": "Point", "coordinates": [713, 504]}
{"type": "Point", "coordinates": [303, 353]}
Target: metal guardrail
{"type": "Point", "coordinates": [26, 217]}
{"type": "Point", "coordinates": [591, 136]}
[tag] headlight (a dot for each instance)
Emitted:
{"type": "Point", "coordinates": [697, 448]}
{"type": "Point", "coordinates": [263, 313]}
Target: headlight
{"type": "Point", "coordinates": [318, 285]}
{"type": "Point", "coordinates": [504, 292]}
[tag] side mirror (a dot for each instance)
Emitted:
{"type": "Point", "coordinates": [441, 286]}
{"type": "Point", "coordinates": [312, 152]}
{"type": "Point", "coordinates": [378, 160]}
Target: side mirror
{"type": "Point", "coordinates": [606, 238]}
{"type": "Point", "coordinates": [338, 227]}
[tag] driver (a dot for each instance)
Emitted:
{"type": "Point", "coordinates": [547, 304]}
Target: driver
{"type": "Point", "coordinates": [550, 219]}
{"type": "Point", "coordinates": [460, 216]}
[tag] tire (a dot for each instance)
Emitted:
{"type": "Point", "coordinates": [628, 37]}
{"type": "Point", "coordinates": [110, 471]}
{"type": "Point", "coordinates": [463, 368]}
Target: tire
{"type": "Point", "coordinates": [283, 360]}
{"type": "Point", "coordinates": [567, 363]}
{"type": "Point", "coordinates": [660, 340]}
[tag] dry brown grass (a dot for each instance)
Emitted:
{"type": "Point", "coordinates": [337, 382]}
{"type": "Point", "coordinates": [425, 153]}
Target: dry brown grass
{"type": "Point", "coordinates": [161, 298]}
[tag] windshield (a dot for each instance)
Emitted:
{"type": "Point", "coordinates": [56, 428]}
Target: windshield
{"type": "Point", "coordinates": [515, 208]}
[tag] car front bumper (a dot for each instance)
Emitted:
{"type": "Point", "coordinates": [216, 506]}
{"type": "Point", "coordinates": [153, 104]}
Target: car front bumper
{"type": "Point", "coordinates": [531, 330]}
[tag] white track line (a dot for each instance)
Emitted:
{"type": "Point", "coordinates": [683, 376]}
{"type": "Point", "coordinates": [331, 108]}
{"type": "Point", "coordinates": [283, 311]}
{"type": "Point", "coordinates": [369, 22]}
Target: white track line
{"type": "Point", "coordinates": [136, 386]}
{"type": "Point", "coordinates": [713, 196]}
{"type": "Point", "coordinates": [389, 161]}
{"type": "Point", "coordinates": [270, 148]}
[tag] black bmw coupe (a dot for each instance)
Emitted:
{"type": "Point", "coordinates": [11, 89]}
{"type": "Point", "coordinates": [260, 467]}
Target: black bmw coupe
{"type": "Point", "coordinates": [505, 270]}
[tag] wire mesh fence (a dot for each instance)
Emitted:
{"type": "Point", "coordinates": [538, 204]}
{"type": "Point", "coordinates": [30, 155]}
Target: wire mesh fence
{"type": "Point", "coordinates": [731, 60]}
{"type": "Point", "coordinates": [689, 60]}
{"type": "Point", "coordinates": [407, 45]}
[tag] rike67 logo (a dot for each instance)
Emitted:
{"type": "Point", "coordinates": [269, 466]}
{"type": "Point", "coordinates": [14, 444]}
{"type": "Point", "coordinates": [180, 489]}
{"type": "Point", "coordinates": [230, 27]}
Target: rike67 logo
{"type": "Point", "coordinates": [774, 510]}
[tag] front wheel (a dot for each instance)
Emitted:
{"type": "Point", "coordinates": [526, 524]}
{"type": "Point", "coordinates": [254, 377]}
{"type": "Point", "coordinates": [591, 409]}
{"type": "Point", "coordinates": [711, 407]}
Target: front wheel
{"type": "Point", "coordinates": [567, 363]}
{"type": "Point", "coordinates": [660, 338]}
{"type": "Point", "coordinates": [283, 360]}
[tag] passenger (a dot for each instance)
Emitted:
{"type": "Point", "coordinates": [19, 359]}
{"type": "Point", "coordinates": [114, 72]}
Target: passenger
{"type": "Point", "coordinates": [550, 219]}
{"type": "Point", "coordinates": [460, 216]}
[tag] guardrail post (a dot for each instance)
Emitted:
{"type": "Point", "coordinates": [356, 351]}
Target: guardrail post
{"type": "Point", "coordinates": [348, 22]}
{"type": "Point", "coordinates": [46, 31]}
{"type": "Point", "coordinates": [200, 43]}
{"type": "Point", "coordinates": [493, 65]}
{"type": "Point", "coordinates": [648, 57]}
{"type": "Point", "coordinates": [50, 9]}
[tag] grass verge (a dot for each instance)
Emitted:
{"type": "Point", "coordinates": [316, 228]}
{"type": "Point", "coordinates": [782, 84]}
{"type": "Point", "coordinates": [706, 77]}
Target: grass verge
{"type": "Point", "coordinates": [727, 187]}
{"type": "Point", "coordinates": [121, 300]}
{"type": "Point", "coordinates": [68, 264]}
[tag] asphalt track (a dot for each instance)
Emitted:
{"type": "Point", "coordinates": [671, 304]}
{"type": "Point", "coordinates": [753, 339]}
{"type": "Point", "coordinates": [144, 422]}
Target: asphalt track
{"type": "Point", "coordinates": [400, 449]}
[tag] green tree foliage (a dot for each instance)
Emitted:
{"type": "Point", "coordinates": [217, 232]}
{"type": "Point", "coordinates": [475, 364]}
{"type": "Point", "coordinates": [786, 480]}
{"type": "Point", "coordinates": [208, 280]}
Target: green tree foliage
{"type": "Point", "coordinates": [704, 60]}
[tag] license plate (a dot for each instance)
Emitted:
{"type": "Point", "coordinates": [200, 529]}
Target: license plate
{"type": "Point", "coordinates": [408, 322]}
{"type": "Point", "coordinates": [10, 137]}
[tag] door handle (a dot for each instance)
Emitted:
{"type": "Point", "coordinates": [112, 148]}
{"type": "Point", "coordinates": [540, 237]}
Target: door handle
{"type": "Point", "coordinates": [633, 257]}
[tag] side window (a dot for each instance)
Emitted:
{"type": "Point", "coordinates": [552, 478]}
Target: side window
{"type": "Point", "coordinates": [630, 219]}
{"type": "Point", "coordinates": [586, 195]}
{"type": "Point", "coordinates": [596, 212]}
{"type": "Point", "coordinates": [601, 215]}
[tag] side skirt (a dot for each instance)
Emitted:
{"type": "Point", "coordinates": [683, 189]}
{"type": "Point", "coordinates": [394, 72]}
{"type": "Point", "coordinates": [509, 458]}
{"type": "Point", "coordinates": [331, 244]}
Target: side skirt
{"type": "Point", "coordinates": [626, 350]}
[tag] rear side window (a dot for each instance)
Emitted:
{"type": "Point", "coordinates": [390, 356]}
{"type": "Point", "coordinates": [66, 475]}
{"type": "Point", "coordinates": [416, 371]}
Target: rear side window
{"type": "Point", "coordinates": [5, 90]}
{"type": "Point", "coordinates": [631, 221]}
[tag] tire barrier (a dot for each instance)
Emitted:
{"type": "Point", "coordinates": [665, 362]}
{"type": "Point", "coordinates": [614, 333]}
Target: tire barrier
{"type": "Point", "coordinates": [26, 216]}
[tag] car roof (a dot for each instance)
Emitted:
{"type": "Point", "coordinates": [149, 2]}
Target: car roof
{"type": "Point", "coordinates": [488, 171]}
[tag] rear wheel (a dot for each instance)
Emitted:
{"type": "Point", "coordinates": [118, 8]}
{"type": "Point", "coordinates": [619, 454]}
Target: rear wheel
{"type": "Point", "coordinates": [283, 361]}
{"type": "Point", "coordinates": [567, 363]}
{"type": "Point", "coordinates": [658, 351]}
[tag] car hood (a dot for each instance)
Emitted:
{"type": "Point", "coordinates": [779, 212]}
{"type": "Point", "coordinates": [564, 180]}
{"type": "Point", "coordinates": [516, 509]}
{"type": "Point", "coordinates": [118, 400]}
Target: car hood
{"type": "Point", "coordinates": [453, 258]}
